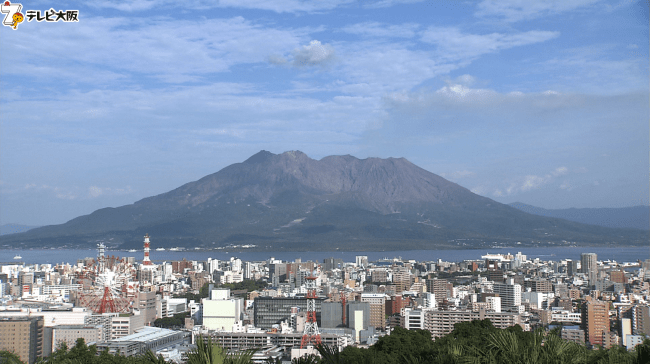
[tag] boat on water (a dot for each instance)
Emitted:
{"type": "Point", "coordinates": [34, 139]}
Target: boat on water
{"type": "Point", "coordinates": [18, 257]}
{"type": "Point", "coordinates": [173, 249]}
{"type": "Point", "coordinates": [132, 250]}
{"type": "Point", "coordinates": [160, 249]}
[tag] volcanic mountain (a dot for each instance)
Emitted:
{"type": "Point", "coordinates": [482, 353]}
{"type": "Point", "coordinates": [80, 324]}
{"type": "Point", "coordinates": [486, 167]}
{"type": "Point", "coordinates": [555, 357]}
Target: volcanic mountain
{"type": "Point", "coordinates": [290, 201]}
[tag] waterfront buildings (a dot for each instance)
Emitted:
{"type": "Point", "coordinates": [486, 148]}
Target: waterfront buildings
{"type": "Point", "coordinates": [357, 301]}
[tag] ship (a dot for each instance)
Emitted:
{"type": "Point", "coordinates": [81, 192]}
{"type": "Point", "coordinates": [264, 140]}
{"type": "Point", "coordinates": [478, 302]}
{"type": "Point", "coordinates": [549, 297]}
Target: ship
{"type": "Point", "coordinates": [18, 257]}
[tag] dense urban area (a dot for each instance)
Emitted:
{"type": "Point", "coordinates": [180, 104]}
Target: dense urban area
{"type": "Point", "coordinates": [391, 310]}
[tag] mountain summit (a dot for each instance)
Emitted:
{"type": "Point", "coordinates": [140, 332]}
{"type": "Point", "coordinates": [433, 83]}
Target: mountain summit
{"type": "Point", "coordinates": [290, 201]}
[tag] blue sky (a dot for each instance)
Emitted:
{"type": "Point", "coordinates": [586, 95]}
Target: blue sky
{"type": "Point", "coordinates": [542, 102]}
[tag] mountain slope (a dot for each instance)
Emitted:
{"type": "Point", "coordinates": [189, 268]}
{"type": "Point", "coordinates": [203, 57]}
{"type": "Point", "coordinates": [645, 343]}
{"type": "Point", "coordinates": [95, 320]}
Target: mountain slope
{"type": "Point", "coordinates": [290, 201]}
{"type": "Point", "coordinates": [635, 217]}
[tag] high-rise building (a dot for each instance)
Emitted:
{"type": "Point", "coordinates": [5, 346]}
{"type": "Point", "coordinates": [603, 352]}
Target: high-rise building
{"type": "Point", "coordinates": [213, 265]}
{"type": "Point", "coordinates": [641, 320]}
{"type": "Point", "coordinates": [571, 267]}
{"type": "Point", "coordinates": [618, 276]}
{"type": "Point", "coordinates": [377, 303]}
{"type": "Point", "coordinates": [589, 266]}
{"type": "Point", "coordinates": [222, 312]}
{"type": "Point", "coordinates": [273, 310]}
{"type": "Point", "coordinates": [595, 320]}
{"type": "Point", "coordinates": [69, 334]}
{"type": "Point", "coordinates": [358, 315]}
{"type": "Point", "coordinates": [539, 285]}
{"type": "Point", "coordinates": [361, 261]}
{"type": "Point", "coordinates": [332, 263]}
{"type": "Point", "coordinates": [441, 288]}
{"type": "Point", "coordinates": [23, 336]}
{"type": "Point", "coordinates": [510, 296]}
{"type": "Point", "coordinates": [441, 323]}
{"type": "Point", "coordinates": [401, 279]}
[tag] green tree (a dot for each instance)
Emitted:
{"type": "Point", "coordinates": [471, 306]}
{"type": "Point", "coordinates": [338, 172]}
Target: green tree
{"type": "Point", "coordinates": [207, 352]}
{"type": "Point", "coordinates": [7, 357]}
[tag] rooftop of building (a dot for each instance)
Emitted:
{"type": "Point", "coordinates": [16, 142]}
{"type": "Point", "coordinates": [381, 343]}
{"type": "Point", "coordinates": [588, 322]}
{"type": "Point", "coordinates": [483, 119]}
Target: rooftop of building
{"type": "Point", "coordinates": [148, 333]}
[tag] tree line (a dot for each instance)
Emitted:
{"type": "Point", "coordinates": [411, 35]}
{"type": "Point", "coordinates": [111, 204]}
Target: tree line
{"type": "Point", "coordinates": [475, 342]}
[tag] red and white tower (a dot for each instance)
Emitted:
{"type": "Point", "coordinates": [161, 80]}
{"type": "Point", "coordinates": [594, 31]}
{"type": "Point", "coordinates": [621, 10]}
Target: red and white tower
{"type": "Point", "coordinates": [311, 335]}
{"type": "Point", "coordinates": [146, 260]}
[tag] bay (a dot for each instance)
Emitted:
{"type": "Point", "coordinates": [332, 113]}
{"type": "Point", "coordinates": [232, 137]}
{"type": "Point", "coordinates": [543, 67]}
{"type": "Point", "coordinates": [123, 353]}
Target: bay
{"type": "Point", "coordinates": [53, 256]}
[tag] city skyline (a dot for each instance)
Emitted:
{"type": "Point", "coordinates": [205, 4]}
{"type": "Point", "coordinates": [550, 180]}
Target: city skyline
{"type": "Point", "coordinates": [545, 104]}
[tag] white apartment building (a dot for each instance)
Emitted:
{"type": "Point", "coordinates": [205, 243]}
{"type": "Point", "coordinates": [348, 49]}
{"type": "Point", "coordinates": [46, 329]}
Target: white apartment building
{"type": "Point", "coordinates": [510, 296]}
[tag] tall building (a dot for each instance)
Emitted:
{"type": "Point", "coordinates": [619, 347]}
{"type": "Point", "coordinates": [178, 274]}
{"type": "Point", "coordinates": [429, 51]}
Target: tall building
{"type": "Point", "coordinates": [331, 315]}
{"type": "Point", "coordinates": [69, 334]}
{"type": "Point", "coordinates": [441, 288]}
{"type": "Point", "coordinates": [394, 304]}
{"type": "Point", "coordinates": [618, 276]}
{"type": "Point", "coordinates": [571, 267]}
{"type": "Point", "coordinates": [539, 285]}
{"type": "Point", "coordinates": [641, 319]}
{"type": "Point", "coordinates": [273, 310]}
{"type": "Point", "coordinates": [441, 323]}
{"type": "Point", "coordinates": [248, 270]}
{"type": "Point", "coordinates": [377, 303]}
{"type": "Point", "coordinates": [589, 266]}
{"type": "Point", "coordinates": [332, 263]}
{"type": "Point", "coordinates": [358, 315]}
{"type": "Point", "coordinates": [146, 303]}
{"type": "Point", "coordinates": [22, 336]}
{"type": "Point", "coordinates": [595, 321]}
{"type": "Point", "coordinates": [222, 312]}
{"type": "Point", "coordinates": [510, 295]}
{"type": "Point", "coordinates": [401, 279]}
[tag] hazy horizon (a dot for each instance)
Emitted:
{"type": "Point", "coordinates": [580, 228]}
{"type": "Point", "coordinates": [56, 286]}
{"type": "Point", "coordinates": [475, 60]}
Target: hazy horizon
{"type": "Point", "coordinates": [545, 104]}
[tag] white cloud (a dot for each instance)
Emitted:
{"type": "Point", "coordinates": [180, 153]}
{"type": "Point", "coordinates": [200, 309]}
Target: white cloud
{"type": "Point", "coordinates": [533, 182]}
{"type": "Point", "coordinates": [602, 70]}
{"type": "Point", "coordinates": [95, 191]}
{"type": "Point", "coordinates": [452, 44]}
{"type": "Point", "coordinates": [560, 171]}
{"type": "Point", "coordinates": [58, 192]}
{"type": "Point", "coordinates": [388, 3]}
{"type": "Point", "coordinates": [129, 5]}
{"type": "Point", "coordinates": [277, 59]}
{"type": "Point", "coordinates": [379, 70]}
{"type": "Point", "coordinates": [382, 30]}
{"type": "Point", "coordinates": [278, 6]}
{"type": "Point", "coordinates": [518, 10]}
{"type": "Point", "coordinates": [313, 54]}
{"type": "Point", "coordinates": [115, 48]}
{"type": "Point", "coordinates": [464, 80]}
{"type": "Point", "coordinates": [458, 175]}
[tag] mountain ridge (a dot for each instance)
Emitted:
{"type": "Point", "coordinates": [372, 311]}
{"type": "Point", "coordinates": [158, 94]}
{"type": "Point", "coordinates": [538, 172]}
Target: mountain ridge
{"type": "Point", "coordinates": [633, 217]}
{"type": "Point", "coordinates": [291, 201]}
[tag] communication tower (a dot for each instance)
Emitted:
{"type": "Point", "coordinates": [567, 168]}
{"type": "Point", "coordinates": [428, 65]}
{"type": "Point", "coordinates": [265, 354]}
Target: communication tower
{"type": "Point", "coordinates": [146, 260]}
{"type": "Point", "coordinates": [311, 335]}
